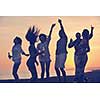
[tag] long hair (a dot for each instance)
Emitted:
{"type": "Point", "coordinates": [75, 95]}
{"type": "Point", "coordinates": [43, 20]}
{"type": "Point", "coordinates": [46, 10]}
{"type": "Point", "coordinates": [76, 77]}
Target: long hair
{"type": "Point", "coordinates": [32, 34]}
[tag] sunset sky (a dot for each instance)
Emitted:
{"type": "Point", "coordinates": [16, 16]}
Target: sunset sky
{"type": "Point", "coordinates": [10, 27]}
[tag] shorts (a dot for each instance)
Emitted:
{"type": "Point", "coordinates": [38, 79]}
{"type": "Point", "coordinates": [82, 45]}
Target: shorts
{"type": "Point", "coordinates": [60, 60]}
{"type": "Point", "coordinates": [44, 59]}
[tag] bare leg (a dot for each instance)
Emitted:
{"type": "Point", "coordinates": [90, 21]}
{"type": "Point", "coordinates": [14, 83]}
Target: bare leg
{"type": "Point", "coordinates": [42, 69]}
{"type": "Point", "coordinates": [58, 73]}
{"type": "Point", "coordinates": [47, 69]}
{"type": "Point", "coordinates": [15, 69]}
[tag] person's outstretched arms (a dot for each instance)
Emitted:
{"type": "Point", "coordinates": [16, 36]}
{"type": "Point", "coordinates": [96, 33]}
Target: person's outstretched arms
{"type": "Point", "coordinates": [71, 43]}
{"type": "Point", "coordinates": [91, 34]}
{"type": "Point", "coordinates": [53, 25]}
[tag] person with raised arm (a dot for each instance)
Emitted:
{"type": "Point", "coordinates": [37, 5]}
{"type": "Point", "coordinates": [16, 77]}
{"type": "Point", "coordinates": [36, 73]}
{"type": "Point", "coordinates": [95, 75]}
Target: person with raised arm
{"type": "Point", "coordinates": [75, 43]}
{"type": "Point", "coordinates": [81, 49]}
{"type": "Point", "coordinates": [44, 58]}
{"type": "Point", "coordinates": [84, 48]}
{"type": "Point", "coordinates": [61, 52]}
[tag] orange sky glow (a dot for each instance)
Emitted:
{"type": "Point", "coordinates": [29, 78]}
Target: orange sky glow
{"type": "Point", "coordinates": [18, 26]}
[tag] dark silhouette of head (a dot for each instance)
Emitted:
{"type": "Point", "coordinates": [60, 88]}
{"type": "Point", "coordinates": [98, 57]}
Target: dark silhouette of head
{"type": "Point", "coordinates": [85, 33]}
{"type": "Point", "coordinates": [32, 35]}
{"type": "Point", "coordinates": [17, 40]}
{"type": "Point", "coordinates": [42, 37]}
{"type": "Point", "coordinates": [61, 34]}
{"type": "Point", "coordinates": [78, 35]}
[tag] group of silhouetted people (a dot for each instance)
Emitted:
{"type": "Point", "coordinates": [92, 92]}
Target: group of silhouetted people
{"type": "Point", "coordinates": [81, 45]}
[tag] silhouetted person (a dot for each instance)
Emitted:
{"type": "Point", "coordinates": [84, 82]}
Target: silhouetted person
{"type": "Point", "coordinates": [31, 36]}
{"type": "Point", "coordinates": [84, 48]}
{"type": "Point", "coordinates": [75, 44]}
{"type": "Point", "coordinates": [16, 56]}
{"type": "Point", "coordinates": [81, 50]}
{"type": "Point", "coordinates": [61, 52]}
{"type": "Point", "coordinates": [44, 58]}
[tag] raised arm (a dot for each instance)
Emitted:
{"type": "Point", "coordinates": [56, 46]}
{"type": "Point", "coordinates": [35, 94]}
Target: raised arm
{"type": "Point", "coordinates": [61, 26]}
{"type": "Point", "coordinates": [53, 25]}
{"type": "Point", "coordinates": [91, 34]}
{"type": "Point", "coordinates": [62, 29]}
{"type": "Point", "coordinates": [71, 43]}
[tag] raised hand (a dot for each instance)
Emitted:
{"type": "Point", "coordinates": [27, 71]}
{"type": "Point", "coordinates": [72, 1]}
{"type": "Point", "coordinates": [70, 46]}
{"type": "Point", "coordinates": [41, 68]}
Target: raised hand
{"type": "Point", "coordinates": [59, 20]}
{"type": "Point", "coordinates": [91, 34]}
{"type": "Point", "coordinates": [71, 40]}
{"type": "Point", "coordinates": [92, 28]}
{"type": "Point", "coordinates": [53, 25]}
